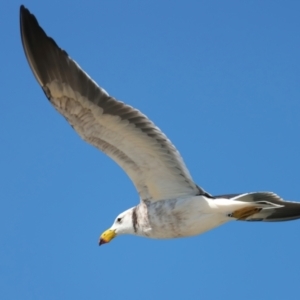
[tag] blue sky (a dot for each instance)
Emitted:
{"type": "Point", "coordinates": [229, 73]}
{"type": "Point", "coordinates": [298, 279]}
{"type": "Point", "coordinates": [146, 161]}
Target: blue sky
{"type": "Point", "coordinates": [221, 79]}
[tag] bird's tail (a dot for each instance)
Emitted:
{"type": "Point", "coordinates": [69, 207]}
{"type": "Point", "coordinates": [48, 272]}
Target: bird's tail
{"type": "Point", "coordinates": [263, 206]}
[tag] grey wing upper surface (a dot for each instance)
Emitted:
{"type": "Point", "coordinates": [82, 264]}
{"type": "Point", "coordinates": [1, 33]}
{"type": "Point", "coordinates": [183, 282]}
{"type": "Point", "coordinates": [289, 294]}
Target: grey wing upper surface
{"type": "Point", "coordinates": [122, 132]}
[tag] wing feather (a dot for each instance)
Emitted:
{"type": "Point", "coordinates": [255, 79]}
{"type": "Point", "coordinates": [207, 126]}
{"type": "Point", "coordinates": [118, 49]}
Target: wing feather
{"type": "Point", "coordinates": [122, 132]}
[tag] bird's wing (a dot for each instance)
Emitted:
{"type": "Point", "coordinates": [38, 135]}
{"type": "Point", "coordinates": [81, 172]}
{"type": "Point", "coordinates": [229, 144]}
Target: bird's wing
{"type": "Point", "coordinates": [122, 132]}
{"type": "Point", "coordinates": [276, 209]}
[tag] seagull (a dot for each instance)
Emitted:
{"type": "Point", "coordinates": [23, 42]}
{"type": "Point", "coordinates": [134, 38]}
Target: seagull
{"type": "Point", "coordinates": [171, 204]}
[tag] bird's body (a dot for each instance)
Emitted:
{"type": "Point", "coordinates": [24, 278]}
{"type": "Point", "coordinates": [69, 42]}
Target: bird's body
{"type": "Point", "coordinates": [186, 216]}
{"type": "Point", "coordinates": [172, 204]}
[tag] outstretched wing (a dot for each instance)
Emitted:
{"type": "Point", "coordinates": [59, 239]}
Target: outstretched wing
{"type": "Point", "coordinates": [122, 132]}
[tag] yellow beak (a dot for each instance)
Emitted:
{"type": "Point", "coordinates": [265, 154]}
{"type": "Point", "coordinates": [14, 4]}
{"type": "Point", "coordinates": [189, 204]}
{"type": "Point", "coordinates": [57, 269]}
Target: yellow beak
{"type": "Point", "coordinates": [107, 236]}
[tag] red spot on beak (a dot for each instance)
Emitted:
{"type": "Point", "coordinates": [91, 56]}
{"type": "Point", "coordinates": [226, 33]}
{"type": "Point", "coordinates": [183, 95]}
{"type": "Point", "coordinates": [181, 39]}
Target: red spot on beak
{"type": "Point", "coordinates": [102, 241]}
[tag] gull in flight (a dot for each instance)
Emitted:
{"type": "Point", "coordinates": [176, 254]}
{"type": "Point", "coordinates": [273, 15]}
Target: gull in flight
{"type": "Point", "coordinates": [171, 203]}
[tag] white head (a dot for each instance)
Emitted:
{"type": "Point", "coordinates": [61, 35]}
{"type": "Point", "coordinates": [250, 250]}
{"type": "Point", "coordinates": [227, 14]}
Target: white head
{"type": "Point", "coordinates": [123, 224]}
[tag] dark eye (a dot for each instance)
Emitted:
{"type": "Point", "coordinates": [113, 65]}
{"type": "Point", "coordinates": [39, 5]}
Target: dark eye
{"type": "Point", "coordinates": [119, 220]}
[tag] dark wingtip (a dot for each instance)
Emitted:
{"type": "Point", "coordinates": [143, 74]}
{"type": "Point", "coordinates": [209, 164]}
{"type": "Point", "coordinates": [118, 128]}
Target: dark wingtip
{"type": "Point", "coordinates": [41, 51]}
{"type": "Point", "coordinates": [49, 62]}
{"type": "Point", "coordinates": [22, 8]}
{"type": "Point", "coordinates": [26, 18]}
{"type": "Point", "coordinates": [29, 26]}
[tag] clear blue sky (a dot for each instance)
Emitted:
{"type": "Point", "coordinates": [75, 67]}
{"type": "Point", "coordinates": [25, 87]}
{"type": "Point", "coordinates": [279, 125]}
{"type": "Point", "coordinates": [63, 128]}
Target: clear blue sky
{"type": "Point", "coordinates": [221, 79]}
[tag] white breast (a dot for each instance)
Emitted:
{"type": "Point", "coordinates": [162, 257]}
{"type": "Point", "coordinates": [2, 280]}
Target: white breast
{"type": "Point", "coordinates": [182, 217]}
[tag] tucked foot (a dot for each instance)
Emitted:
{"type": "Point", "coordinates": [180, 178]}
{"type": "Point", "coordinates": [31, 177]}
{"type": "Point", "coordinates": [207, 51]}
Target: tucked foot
{"type": "Point", "coordinates": [244, 213]}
